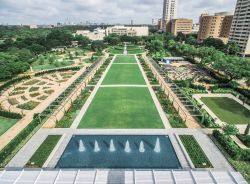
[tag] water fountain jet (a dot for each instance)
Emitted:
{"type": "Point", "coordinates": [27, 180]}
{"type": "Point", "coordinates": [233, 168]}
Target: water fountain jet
{"type": "Point", "coordinates": [81, 146]}
{"type": "Point", "coordinates": [127, 147]}
{"type": "Point", "coordinates": [157, 148]}
{"type": "Point", "coordinates": [111, 146]}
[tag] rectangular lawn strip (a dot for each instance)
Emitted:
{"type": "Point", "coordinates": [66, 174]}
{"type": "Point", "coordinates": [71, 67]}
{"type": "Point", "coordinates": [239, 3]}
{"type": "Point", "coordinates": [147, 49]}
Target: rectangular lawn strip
{"type": "Point", "coordinates": [43, 152]}
{"type": "Point", "coordinates": [124, 74]}
{"type": "Point", "coordinates": [227, 109]}
{"type": "Point", "coordinates": [195, 152]}
{"type": "Point", "coordinates": [122, 108]}
{"type": "Point", "coordinates": [6, 124]}
{"type": "Point", "coordinates": [125, 59]}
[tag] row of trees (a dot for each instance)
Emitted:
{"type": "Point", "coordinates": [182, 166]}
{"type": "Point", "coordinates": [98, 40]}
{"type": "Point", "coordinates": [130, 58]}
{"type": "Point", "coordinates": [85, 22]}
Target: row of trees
{"type": "Point", "coordinates": [231, 66]}
{"type": "Point", "coordinates": [18, 52]}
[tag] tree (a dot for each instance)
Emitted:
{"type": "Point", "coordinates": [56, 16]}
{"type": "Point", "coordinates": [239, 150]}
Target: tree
{"type": "Point", "coordinates": [230, 130]}
{"type": "Point", "coordinates": [232, 48]}
{"type": "Point", "coordinates": [180, 37]}
{"type": "Point", "coordinates": [37, 49]}
{"type": "Point", "coordinates": [11, 65]}
{"type": "Point", "coordinates": [97, 45]}
{"type": "Point", "coordinates": [83, 40]}
{"type": "Point", "coordinates": [191, 39]}
{"type": "Point", "coordinates": [154, 46]}
{"type": "Point", "coordinates": [247, 130]}
{"type": "Point", "coordinates": [214, 42]}
{"type": "Point", "coordinates": [112, 39]}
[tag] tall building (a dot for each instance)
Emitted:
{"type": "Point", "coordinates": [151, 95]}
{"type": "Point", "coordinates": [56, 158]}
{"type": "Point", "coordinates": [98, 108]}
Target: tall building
{"type": "Point", "coordinates": [215, 26]}
{"type": "Point", "coordinates": [240, 29]}
{"type": "Point", "coordinates": [169, 13]}
{"type": "Point", "coordinates": [181, 25]}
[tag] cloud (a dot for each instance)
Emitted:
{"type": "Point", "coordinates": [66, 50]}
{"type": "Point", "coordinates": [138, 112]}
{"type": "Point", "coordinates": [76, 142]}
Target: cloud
{"type": "Point", "coordinates": [107, 11]}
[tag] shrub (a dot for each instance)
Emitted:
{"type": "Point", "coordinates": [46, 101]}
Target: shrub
{"type": "Point", "coordinates": [228, 144]}
{"type": "Point", "coordinates": [13, 81]}
{"type": "Point", "coordinates": [10, 115]}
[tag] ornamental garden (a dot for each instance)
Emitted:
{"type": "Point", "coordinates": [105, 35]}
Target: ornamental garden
{"type": "Point", "coordinates": [86, 102]}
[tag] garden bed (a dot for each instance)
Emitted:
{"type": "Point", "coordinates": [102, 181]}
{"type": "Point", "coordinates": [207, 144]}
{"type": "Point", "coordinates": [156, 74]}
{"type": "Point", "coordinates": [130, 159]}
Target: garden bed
{"type": "Point", "coordinates": [195, 152]}
{"type": "Point", "coordinates": [43, 152]}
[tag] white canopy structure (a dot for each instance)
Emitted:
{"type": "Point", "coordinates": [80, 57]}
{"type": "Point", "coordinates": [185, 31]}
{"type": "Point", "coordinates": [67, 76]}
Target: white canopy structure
{"type": "Point", "coordinates": [119, 177]}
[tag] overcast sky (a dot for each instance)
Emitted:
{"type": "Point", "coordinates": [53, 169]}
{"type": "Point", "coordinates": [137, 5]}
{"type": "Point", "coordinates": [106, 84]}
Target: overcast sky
{"type": "Point", "coordinates": [107, 11]}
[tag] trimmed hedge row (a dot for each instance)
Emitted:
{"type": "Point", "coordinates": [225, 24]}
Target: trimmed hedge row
{"type": "Point", "coordinates": [57, 70]}
{"type": "Point", "coordinates": [13, 81]}
{"type": "Point", "coordinates": [231, 147]}
{"type": "Point", "coordinates": [10, 115]}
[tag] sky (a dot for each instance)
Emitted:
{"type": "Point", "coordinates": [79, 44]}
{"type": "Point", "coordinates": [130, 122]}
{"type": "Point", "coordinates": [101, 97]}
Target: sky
{"type": "Point", "coordinates": [106, 11]}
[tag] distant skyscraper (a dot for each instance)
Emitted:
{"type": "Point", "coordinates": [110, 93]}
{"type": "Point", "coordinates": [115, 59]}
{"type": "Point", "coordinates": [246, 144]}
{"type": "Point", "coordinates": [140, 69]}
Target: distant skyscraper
{"type": "Point", "coordinates": [240, 30]}
{"type": "Point", "coordinates": [169, 12]}
{"type": "Point", "coordinates": [169, 9]}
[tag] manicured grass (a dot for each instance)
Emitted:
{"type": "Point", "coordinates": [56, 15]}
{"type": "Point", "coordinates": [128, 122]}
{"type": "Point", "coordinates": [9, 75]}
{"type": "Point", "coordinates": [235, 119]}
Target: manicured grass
{"type": "Point", "coordinates": [195, 152]}
{"type": "Point", "coordinates": [122, 108]}
{"type": "Point", "coordinates": [227, 110]}
{"type": "Point", "coordinates": [132, 49]}
{"type": "Point", "coordinates": [5, 124]}
{"type": "Point", "coordinates": [124, 74]}
{"type": "Point", "coordinates": [125, 59]}
{"type": "Point", "coordinates": [241, 166]}
{"type": "Point", "coordinates": [43, 152]}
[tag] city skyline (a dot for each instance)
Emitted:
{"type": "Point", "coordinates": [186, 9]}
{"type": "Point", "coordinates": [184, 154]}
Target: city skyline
{"type": "Point", "coordinates": [107, 11]}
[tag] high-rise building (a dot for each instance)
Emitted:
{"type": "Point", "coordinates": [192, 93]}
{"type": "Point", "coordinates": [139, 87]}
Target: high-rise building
{"type": "Point", "coordinates": [169, 13]}
{"type": "Point", "coordinates": [215, 26]}
{"type": "Point", "coordinates": [181, 25]}
{"type": "Point", "coordinates": [240, 29]}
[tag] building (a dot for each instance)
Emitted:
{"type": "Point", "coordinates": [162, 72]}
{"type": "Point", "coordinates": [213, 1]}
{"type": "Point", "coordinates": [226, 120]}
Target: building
{"type": "Point", "coordinates": [181, 25]}
{"type": "Point", "coordinates": [97, 34]}
{"type": "Point", "coordinates": [196, 28]}
{"type": "Point", "coordinates": [33, 26]}
{"type": "Point", "coordinates": [215, 26]}
{"type": "Point", "coordinates": [128, 30]}
{"type": "Point", "coordinates": [240, 29]}
{"type": "Point", "coordinates": [169, 13]}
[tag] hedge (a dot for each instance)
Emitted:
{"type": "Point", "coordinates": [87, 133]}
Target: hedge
{"type": "Point", "coordinates": [231, 147]}
{"type": "Point", "coordinates": [10, 115]}
{"type": "Point", "coordinates": [13, 81]}
{"type": "Point", "coordinates": [57, 70]}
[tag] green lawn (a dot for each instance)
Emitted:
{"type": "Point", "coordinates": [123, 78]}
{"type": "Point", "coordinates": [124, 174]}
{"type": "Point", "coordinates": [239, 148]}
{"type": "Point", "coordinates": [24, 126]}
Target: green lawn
{"type": "Point", "coordinates": [124, 74]}
{"type": "Point", "coordinates": [122, 108]}
{"type": "Point", "coordinates": [5, 124]}
{"type": "Point", "coordinates": [227, 110]}
{"type": "Point", "coordinates": [125, 59]}
{"type": "Point", "coordinates": [43, 152]}
{"type": "Point", "coordinates": [195, 152]}
{"type": "Point", "coordinates": [131, 50]}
